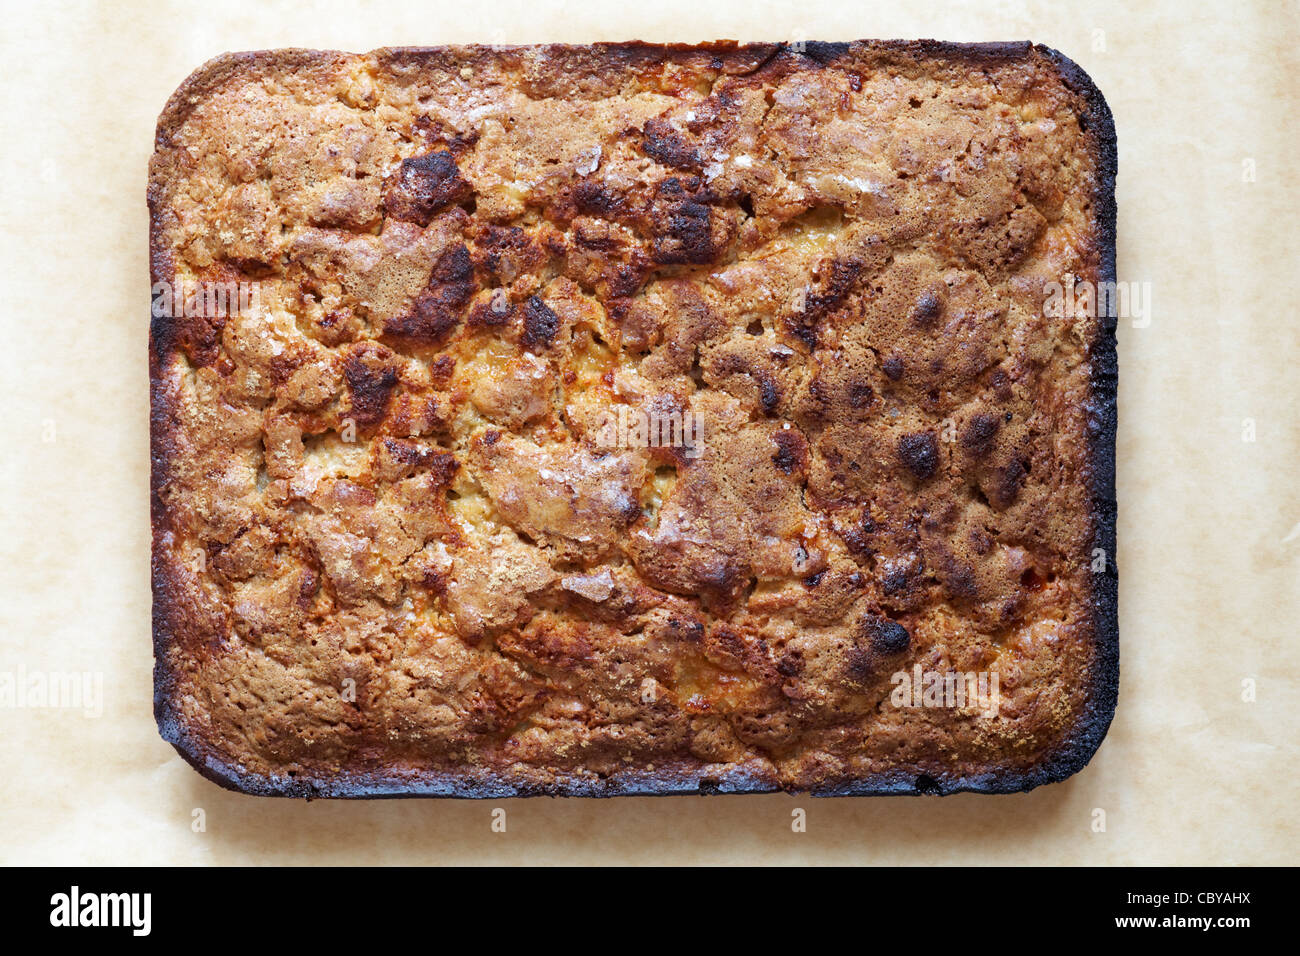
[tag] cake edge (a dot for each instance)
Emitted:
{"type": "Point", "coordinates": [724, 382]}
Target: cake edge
{"type": "Point", "coordinates": [1077, 747]}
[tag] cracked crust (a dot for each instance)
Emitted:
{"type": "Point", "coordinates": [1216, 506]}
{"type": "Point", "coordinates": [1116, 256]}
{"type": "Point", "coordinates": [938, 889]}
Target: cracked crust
{"type": "Point", "coordinates": [395, 551]}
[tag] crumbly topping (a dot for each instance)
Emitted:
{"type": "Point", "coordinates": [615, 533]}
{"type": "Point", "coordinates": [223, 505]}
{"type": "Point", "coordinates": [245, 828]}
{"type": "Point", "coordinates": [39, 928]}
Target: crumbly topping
{"type": "Point", "coordinates": [414, 511]}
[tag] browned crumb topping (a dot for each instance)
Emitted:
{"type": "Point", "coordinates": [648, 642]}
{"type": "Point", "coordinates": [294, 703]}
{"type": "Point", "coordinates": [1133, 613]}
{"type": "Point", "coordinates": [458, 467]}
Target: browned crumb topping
{"type": "Point", "coordinates": [405, 519]}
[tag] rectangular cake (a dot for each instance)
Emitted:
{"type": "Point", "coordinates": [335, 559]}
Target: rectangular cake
{"type": "Point", "coordinates": [634, 419]}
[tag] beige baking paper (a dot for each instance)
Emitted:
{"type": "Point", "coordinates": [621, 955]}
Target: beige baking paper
{"type": "Point", "coordinates": [1200, 764]}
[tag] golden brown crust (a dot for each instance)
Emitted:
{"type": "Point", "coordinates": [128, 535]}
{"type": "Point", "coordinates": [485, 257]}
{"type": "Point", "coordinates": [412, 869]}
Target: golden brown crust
{"type": "Point", "coordinates": [395, 548]}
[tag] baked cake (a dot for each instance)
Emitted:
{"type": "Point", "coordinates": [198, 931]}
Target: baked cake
{"type": "Point", "coordinates": [634, 419]}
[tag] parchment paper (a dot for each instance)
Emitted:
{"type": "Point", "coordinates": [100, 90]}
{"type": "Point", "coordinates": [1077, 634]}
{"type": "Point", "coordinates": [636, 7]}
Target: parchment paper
{"type": "Point", "coordinates": [1206, 100]}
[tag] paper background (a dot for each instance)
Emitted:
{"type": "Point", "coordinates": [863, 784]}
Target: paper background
{"type": "Point", "coordinates": [1209, 523]}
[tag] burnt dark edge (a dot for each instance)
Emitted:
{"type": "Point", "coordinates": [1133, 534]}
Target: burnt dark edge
{"type": "Point", "coordinates": [1069, 758]}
